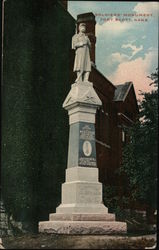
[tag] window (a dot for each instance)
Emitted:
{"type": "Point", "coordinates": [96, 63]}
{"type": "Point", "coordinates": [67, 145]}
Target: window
{"type": "Point", "coordinates": [123, 136]}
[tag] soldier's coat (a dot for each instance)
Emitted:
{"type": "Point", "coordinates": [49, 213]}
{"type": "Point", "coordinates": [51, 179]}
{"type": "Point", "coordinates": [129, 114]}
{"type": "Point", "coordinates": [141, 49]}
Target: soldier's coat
{"type": "Point", "coordinates": [82, 56]}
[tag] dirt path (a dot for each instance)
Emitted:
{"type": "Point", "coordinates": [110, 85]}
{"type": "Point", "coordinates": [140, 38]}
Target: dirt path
{"type": "Point", "coordinates": [44, 241]}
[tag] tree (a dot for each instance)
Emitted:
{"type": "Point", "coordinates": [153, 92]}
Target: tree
{"type": "Point", "coordinates": [140, 155]}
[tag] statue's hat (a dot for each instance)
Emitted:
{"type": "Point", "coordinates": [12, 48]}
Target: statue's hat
{"type": "Point", "coordinates": [82, 24]}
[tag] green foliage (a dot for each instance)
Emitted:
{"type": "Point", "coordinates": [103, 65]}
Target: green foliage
{"type": "Point", "coordinates": [115, 203]}
{"type": "Point", "coordinates": [34, 124]}
{"type": "Point", "coordinates": [140, 155]}
{"type": "Point", "coordinates": [110, 197]}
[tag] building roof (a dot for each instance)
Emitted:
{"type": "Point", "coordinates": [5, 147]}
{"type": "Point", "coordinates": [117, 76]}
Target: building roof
{"type": "Point", "coordinates": [121, 91]}
{"type": "Point", "coordinates": [112, 85]}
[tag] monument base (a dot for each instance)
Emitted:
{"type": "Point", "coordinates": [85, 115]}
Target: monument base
{"type": "Point", "coordinates": [82, 210]}
{"type": "Point", "coordinates": [83, 224]}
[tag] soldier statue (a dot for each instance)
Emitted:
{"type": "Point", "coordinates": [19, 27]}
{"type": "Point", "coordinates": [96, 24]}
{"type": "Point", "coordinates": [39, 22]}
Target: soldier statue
{"type": "Point", "coordinates": [82, 64]}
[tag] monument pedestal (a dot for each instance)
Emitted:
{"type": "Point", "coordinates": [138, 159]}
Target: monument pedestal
{"type": "Point", "coordinates": [82, 210]}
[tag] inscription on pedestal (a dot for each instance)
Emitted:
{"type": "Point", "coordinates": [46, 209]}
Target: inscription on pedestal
{"type": "Point", "coordinates": [90, 193]}
{"type": "Point", "coordinates": [87, 152]}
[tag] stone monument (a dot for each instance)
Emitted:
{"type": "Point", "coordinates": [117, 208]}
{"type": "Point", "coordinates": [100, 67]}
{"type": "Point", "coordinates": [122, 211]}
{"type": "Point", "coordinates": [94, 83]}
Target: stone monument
{"type": "Point", "coordinates": [82, 210]}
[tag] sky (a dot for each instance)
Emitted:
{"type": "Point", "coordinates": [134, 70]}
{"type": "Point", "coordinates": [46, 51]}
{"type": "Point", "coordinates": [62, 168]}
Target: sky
{"type": "Point", "coordinates": [127, 48]}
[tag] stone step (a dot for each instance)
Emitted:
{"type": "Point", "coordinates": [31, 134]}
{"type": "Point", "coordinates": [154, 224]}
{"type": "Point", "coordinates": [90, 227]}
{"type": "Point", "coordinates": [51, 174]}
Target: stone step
{"type": "Point", "coordinates": [83, 227]}
{"type": "Point", "coordinates": [81, 217]}
{"type": "Point", "coordinates": [82, 208]}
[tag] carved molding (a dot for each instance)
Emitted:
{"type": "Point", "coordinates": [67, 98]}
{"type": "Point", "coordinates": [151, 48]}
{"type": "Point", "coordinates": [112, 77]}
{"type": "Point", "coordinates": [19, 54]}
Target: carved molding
{"type": "Point", "coordinates": [82, 93]}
